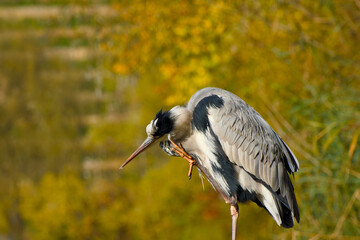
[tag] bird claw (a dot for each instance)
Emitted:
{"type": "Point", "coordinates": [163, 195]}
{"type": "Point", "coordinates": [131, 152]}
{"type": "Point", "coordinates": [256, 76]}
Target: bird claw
{"type": "Point", "coordinates": [191, 164]}
{"type": "Point", "coordinates": [179, 149]}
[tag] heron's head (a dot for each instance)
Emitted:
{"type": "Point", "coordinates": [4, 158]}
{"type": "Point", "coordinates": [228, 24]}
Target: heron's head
{"type": "Point", "coordinates": [175, 123]}
{"type": "Point", "coordinates": [162, 124]}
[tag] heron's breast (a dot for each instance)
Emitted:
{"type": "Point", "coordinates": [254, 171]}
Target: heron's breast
{"type": "Point", "coordinates": [203, 148]}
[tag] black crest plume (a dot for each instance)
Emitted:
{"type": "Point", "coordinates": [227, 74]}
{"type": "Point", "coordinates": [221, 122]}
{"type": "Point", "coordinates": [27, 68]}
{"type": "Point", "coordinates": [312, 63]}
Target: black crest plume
{"type": "Point", "coordinates": [164, 123]}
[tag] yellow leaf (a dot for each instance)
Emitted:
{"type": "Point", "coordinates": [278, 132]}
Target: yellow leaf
{"type": "Point", "coordinates": [353, 143]}
{"type": "Point", "coordinates": [121, 68]}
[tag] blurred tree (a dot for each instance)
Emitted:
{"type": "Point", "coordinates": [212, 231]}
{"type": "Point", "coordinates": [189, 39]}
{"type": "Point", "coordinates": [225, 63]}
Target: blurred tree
{"type": "Point", "coordinates": [66, 104]}
{"type": "Point", "coordinates": [48, 85]}
{"type": "Point", "coordinates": [62, 206]}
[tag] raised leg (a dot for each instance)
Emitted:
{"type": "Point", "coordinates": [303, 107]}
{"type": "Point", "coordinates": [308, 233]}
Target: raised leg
{"type": "Point", "coordinates": [234, 210]}
{"type": "Point", "coordinates": [182, 153]}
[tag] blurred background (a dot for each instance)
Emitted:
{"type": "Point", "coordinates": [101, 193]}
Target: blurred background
{"type": "Point", "coordinates": [80, 80]}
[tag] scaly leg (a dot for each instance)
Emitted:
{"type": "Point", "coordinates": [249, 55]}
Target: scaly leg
{"type": "Point", "coordinates": [181, 151]}
{"type": "Point", "coordinates": [234, 210]}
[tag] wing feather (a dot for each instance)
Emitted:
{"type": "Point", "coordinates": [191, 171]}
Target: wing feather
{"type": "Point", "coordinates": [256, 163]}
{"type": "Point", "coordinates": [274, 177]}
{"type": "Point", "coordinates": [243, 127]}
{"type": "Point", "coordinates": [255, 145]}
{"type": "Point", "coordinates": [240, 141]}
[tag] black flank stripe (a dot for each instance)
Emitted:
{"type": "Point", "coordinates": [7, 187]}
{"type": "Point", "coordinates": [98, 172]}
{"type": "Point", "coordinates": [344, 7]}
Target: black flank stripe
{"type": "Point", "coordinates": [200, 114]}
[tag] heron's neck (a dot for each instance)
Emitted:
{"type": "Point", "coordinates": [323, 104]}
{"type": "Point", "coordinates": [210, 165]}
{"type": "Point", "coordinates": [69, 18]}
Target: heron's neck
{"type": "Point", "coordinates": [182, 124]}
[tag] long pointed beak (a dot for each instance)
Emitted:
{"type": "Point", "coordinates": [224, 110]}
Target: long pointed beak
{"type": "Point", "coordinates": [142, 147]}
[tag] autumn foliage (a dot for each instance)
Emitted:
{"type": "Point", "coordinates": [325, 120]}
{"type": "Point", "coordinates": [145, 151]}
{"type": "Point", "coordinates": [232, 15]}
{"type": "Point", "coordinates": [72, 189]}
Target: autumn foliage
{"type": "Point", "coordinates": [68, 119]}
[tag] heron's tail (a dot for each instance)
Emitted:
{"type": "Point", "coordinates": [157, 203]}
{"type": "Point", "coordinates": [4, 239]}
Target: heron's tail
{"type": "Point", "coordinates": [288, 196]}
{"type": "Point", "coordinates": [285, 213]}
{"type": "Point", "coordinates": [282, 207]}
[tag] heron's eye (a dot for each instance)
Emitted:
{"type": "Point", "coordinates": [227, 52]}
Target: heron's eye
{"type": "Point", "coordinates": [163, 123]}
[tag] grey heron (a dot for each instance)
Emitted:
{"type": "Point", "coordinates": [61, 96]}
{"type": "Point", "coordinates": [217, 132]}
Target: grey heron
{"type": "Point", "coordinates": [234, 147]}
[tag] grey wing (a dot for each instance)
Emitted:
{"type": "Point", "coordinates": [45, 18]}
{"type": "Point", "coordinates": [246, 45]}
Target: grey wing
{"type": "Point", "coordinates": [252, 144]}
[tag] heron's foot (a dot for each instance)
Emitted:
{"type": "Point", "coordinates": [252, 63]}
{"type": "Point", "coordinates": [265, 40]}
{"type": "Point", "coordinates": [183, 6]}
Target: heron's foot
{"type": "Point", "coordinates": [168, 148]}
{"type": "Point", "coordinates": [179, 149]}
{"type": "Point", "coordinates": [191, 164]}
